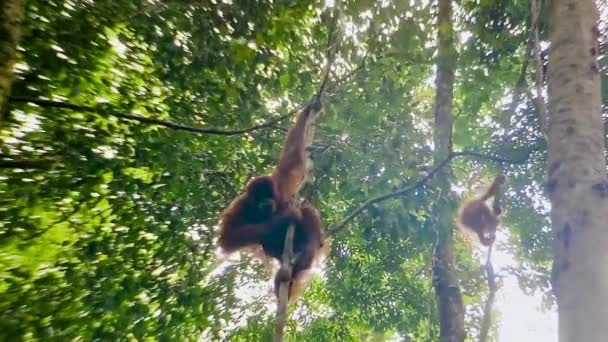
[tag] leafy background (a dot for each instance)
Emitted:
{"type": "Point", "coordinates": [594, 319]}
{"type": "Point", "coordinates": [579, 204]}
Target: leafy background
{"type": "Point", "coordinates": [114, 239]}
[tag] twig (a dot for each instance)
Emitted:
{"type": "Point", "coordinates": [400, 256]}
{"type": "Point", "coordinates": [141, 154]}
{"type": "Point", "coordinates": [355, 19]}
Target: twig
{"type": "Point", "coordinates": [150, 121]}
{"type": "Point", "coordinates": [198, 130]}
{"type": "Point", "coordinates": [210, 269]}
{"type": "Point", "coordinates": [542, 109]}
{"type": "Point", "coordinates": [521, 81]}
{"type": "Point", "coordinates": [352, 72]}
{"type": "Point", "coordinates": [492, 287]}
{"type": "Point", "coordinates": [26, 164]}
{"type": "Point", "coordinates": [519, 86]}
{"type": "Point", "coordinates": [330, 54]}
{"type": "Point", "coordinates": [336, 228]}
{"type": "Point", "coordinates": [539, 106]}
{"type": "Point", "coordinates": [360, 66]}
{"type": "Point", "coordinates": [63, 219]}
{"type": "Point", "coordinates": [283, 300]}
{"type": "Point", "coordinates": [491, 279]}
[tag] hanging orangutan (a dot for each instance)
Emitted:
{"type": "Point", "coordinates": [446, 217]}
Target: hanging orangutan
{"type": "Point", "coordinates": [478, 217]}
{"type": "Point", "coordinates": [261, 215]}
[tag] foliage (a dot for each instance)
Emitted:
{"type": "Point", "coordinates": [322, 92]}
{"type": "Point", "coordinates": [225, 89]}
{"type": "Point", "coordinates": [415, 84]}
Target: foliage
{"type": "Point", "coordinates": [115, 240]}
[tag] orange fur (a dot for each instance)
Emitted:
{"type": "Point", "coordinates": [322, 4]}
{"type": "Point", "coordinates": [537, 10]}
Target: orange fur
{"type": "Point", "coordinates": [310, 247]}
{"type": "Point", "coordinates": [299, 284]}
{"type": "Point", "coordinates": [476, 216]}
{"type": "Point", "coordinates": [294, 165]}
{"type": "Point", "coordinates": [260, 216]}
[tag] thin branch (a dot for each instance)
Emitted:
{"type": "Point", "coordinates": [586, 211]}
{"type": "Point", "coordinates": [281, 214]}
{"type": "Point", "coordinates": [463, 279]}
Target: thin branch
{"type": "Point", "coordinates": [519, 86]}
{"type": "Point", "coordinates": [521, 81]}
{"type": "Point", "coordinates": [491, 278]}
{"type": "Point", "coordinates": [197, 130]}
{"type": "Point", "coordinates": [283, 300]}
{"type": "Point", "coordinates": [364, 62]}
{"type": "Point", "coordinates": [26, 164]}
{"type": "Point", "coordinates": [331, 47]}
{"type": "Point", "coordinates": [330, 54]}
{"type": "Point", "coordinates": [150, 121]}
{"type": "Point", "coordinates": [211, 268]}
{"type": "Point", "coordinates": [354, 71]}
{"type": "Point", "coordinates": [483, 156]}
{"type": "Point", "coordinates": [492, 288]}
{"type": "Point", "coordinates": [423, 180]}
{"type": "Point", "coordinates": [63, 219]}
{"type": "Point", "coordinates": [542, 109]}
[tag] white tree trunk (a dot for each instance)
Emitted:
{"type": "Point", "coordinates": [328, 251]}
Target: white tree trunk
{"type": "Point", "coordinates": [577, 184]}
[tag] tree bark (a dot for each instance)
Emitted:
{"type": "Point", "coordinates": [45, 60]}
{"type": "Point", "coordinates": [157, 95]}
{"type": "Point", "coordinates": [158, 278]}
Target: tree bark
{"type": "Point", "coordinates": [577, 185]}
{"type": "Point", "coordinates": [11, 17]}
{"type": "Point", "coordinates": [447, 290]}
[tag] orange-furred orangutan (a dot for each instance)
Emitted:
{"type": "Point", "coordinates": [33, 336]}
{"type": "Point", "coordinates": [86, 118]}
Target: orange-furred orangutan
{"type": "Point", "coordinates": [477, 216]}
{"type": "Point", "coordinates": [261, 215]}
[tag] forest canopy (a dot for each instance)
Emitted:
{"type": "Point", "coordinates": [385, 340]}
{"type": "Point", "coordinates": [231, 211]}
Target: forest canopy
{"type": "Point", "coordinates": [127, 127]}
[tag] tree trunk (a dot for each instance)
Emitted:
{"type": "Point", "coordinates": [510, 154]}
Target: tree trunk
{"type": "Point", "coordinates": [449, 298]}
{"type": "Point", "coordinates": [11, 17]}
{"type": "Point", "coordinates": [577, 185]}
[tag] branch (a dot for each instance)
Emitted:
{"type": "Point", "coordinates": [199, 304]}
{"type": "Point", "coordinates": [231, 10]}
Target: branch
{"type": "Point", "coordinates": [352, 72]}
{"type": "Point", "coordinates": [149, 121]}
{"type": "Point", "coordinates": [364, 61]}
{"type": "Point", "coordinates": [521, 83]}
{"type": "Point", "coordinates": [336, 228]}
{"type": "Point", "coordinates": [483, 156]}
{"type": "Point", "coordinates": [198, 130]}
{"type": "Point", "coordinates": [283, 300]}
{"type": "Point", "coordinates": [493, 288]}
{"type": "Point", "coordinates": [542, 109]}
{"type": "Point", "coordinates": [26, 164]}
{"type": "Point", "coordinates": [330, 54]}
{"type": "Point", "coordinates": [63, 219]}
